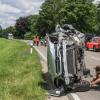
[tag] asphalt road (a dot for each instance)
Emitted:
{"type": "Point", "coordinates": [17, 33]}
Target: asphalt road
{"type": "Point", "coordinates": [92, 59]}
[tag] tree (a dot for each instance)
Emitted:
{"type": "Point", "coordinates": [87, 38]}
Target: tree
{"type": "Point", "coordinates": [10, 29]}
{"type": "Point", "coordinates": [0, 31]}
{"type": "Point", "coordinates": [21, 27]}
{"type": "Point", "coordinates": [82, 14]}
{"type": "Point", "coordinates": [98, 17]}
{"type": "Point", "coordinates": [31, 22]}
{"type": "Point", "coordinates": [49, 15]}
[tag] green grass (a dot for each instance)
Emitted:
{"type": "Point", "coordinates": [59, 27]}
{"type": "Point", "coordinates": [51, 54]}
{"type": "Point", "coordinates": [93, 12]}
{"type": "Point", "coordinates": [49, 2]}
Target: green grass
{"type": "Point", "coordinates": [20, 72]}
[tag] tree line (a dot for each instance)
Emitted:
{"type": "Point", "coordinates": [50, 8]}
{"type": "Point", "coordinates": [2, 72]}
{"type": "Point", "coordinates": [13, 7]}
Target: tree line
{"type": "Point", "coordinates": [84, 15]}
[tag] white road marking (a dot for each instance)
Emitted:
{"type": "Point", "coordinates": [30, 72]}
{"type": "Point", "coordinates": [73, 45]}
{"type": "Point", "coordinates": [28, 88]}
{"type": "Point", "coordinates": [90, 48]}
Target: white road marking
{"type": "Point", "coordinates": [41, 54]}
{"type": "Point", "coordinates": [75, 96]}
{"type": "Point", "coordinates": [31, 50]}
{"type": "Point", "coordinates": [95, 58]}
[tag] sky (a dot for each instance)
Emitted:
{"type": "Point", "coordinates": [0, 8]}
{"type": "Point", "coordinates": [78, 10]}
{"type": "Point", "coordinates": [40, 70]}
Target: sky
{"type": "Point", "coordinates": [10, 10]}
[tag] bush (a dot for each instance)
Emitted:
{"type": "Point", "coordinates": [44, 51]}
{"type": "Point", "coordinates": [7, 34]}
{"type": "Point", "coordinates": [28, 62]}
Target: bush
{"type": "Point", "coordinates": [28, 36]}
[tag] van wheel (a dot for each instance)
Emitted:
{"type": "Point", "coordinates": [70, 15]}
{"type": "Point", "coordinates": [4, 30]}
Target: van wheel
{"type": "Point", "coordinates": [94, 48]}
{"type": "Point", "coordinates": [58, 82]}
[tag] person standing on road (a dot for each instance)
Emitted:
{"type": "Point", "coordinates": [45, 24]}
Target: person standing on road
{"type": "Point", "coordinates": [96, 80]}
{"type": "Point", "coordinates": [37, 40]}
{"type": "Point", "coordinates": [41, 41]}
{"type": "Point", "coordinates": [34, 40]}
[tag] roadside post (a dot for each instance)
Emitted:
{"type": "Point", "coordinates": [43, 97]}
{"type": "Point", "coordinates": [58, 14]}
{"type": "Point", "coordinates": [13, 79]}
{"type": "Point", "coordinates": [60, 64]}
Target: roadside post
{"type": "Point", "coordinates": [31, 49]}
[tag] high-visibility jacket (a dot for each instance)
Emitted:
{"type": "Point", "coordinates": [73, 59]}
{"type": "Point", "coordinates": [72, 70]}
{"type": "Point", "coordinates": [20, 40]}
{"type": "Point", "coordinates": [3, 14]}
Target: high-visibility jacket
{"type": "Point", "coordinates": [37, 39]}
{"type": "Point", "coordinates": [34, 38]}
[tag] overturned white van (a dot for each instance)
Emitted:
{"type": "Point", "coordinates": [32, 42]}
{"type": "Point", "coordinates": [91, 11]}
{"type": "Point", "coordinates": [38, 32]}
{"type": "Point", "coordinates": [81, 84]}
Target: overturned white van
{"type": "Point", "coordinates": [65, 55]}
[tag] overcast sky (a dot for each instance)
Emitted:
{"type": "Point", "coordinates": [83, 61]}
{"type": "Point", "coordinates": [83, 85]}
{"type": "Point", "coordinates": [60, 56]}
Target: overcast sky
{"type": "Point", "coordinates": [10, 10]}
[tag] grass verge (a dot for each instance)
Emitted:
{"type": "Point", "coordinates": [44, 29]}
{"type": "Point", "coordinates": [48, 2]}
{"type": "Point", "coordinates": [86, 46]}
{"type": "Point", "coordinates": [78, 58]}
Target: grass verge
{"type": "Point", "coordinates": [20, 72]}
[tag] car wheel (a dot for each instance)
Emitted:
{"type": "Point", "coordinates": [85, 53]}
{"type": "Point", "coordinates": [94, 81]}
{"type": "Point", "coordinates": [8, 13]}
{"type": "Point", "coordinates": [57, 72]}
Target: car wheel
{"type": "Point", "coordinates": [94, 48]}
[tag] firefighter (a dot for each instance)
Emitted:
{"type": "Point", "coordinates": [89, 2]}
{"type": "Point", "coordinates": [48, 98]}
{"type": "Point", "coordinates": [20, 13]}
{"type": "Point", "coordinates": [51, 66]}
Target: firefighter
{"type": "Point", "coordinates": [37, 40]}
{"type": "Point", "coordinates": [34, 40]}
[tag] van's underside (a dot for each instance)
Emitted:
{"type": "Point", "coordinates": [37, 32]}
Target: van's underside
{"type": "Point", "coordinates": [66, 63]}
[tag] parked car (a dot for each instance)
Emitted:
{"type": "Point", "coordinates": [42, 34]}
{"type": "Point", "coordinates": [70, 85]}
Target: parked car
{"type": "Point", "coordinates": [94, 44]}
{"type": "Point", "coordinates": [88, 37]}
